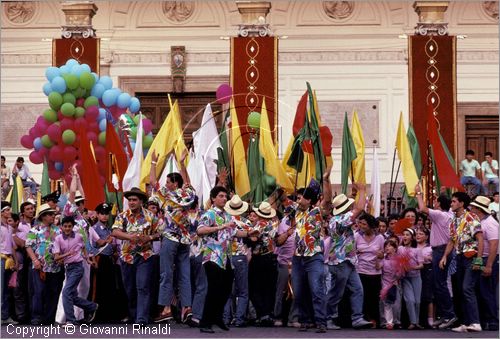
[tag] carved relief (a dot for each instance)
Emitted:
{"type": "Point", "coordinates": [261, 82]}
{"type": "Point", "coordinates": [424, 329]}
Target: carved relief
{"type": "Point", "coordinates": [491, 9]}
{"type": "Point", "coordinates": [19, 12]}
{"type": "Point", "coordinates": [338, 10]}
{"type": "Point", "coordinates": [178, 11]}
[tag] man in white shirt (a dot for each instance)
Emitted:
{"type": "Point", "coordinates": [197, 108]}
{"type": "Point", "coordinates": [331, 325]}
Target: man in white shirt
{"type": "Point", "coordinates": [24, 173]}
{"type": "Point", "coordinates": [490, 171]}
{"type": "Point", "coordinates": [471, 172]}
{"type": "Point", "coordinates": [494, 206]}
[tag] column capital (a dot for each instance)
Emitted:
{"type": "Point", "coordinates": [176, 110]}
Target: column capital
{"type": "Point", "coordinates": [431, 17]}
{"type": "Point", "coordinates": [79, 16]}
{"type": "Point", "coordinates": [253, 17]}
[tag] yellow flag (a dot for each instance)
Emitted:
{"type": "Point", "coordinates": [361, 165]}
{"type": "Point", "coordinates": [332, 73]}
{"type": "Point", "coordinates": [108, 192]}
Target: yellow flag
{"type": "Point", "coordinates": [239, 163]}
{"type": "Point", "coordinates": [358, 164]}
{"type": "Point", "coordinates": [169, 138]}
{"type": "Point", "coordinates": [268, 152]}
{"type": "Point", "coordinates": [404, 154]}
{"type": "Point", "coordinates": [38, 202]}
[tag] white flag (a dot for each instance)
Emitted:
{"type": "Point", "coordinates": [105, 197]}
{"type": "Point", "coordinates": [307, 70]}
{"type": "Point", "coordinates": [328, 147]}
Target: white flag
{"type": "Point", "coordinates": [375, 185]}
{"type": "Point", "coordinates": [170, 167]}
{"type": "Point", "coordinates": [132, 177]}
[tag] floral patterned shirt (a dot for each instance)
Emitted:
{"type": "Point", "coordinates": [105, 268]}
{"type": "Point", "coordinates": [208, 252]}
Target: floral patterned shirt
{"type": "Point", "coordinates": [81, 227]}
{"type": "Point", "coordinates": [238, 246]}
{"type": "Point", "coordinates": [41, 240]}
{"type": "Point", "coordinates": [343, 244]}
{"type": "Point", "coordinates": [265, 243]}
{"type": "Point", "coordinates": [217, 247]}
{"type": "Point", "coordinates": [194, 218]}
{"type": "Point", "coordinates": [177, 202]}
{"type": "Point", "coordinates": [145, 223]}
{"type": "Point", "coordinates": [308, 232]}
{"type": "Point", "coordinates": [462, 231]}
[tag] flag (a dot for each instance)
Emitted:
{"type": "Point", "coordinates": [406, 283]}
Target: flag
{"type": "Point", "coordinates": [255, 166]}
{"type": "Point", "coordinates": [168, 139]}
{"type": "Point", "coordinates": [417, 161]}
{"type": "Point", "coordinates": [358, 164]}
{"type": "Point", "coordinates": [171, 167]}
{"type": "Point", "coordinates": [116, 158]}
{"type": "Point", "coordinates": [404, 153]}
{"type": "Point", "coordinates": [223, 152]}
{"type": "Point", "coordinates": [375, 189]}
{"type": "Point", "coordinates": [93, 189]}
{"type": "Point", "coordinates": [45, 184]}
{"type": "Point", "coordinates": [269, 154]}
{"type": "Point", "coordinates": [239, 164]}
{"type": "Point", "coordinates": [16, 195]}
{"type": "Point", "coordinates": [348, 154]}
{"type": "Point", "coordinates": [132, 177]}
{"type": "Point", "coordinates": [38, 202]}
{"type": "Point", "coordinates": [445, 171]}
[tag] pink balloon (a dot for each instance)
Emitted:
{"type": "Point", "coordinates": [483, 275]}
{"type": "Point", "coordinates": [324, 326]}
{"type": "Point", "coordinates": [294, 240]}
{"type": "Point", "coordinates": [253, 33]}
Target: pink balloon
{"type": "Point", "coordinates": [93, 126]}
{"type": "Point", "coordinates": [147, 125]}
{"type": "Point", "coordinates": [80, 102]}
{"type": "Point", "coordinates": [92, 136]}
{"type": "Point", "coordinates": [67, 123]}
{"type": "Point", "coordinates": [27, 141]}
{"type": "Point", "coordinates": [54, 132]}
{"type": "Point", "coordinates": [54, 174]}
{"type": "Point", "coordinates": [224, 93]}
{"type": "Point", "coordinates": [60, 116]}
{"type": "Point", "coordinates": [56, 153]}
{"type": "Point", "coordinates": [91, 113]}
{"type": "Point", "coordinates": [44, 152]}
{"type": "Point", "coordinates": [79, 123]}
{"type": "Point", "coordinates": [35, 157]}
{"type": "Point", "coordinates": [69, 153]}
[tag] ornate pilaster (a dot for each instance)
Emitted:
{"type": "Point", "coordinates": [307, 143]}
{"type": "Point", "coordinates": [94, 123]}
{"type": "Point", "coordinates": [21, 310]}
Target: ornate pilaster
{"type": "Point", "coordinates": [253, 15]}
{"type": "Point", "coordinates": [178, 67]}
{"type": "Point", "coordinates": [431, 17]}
{"type": "Point", "coordinates": [78, 19]}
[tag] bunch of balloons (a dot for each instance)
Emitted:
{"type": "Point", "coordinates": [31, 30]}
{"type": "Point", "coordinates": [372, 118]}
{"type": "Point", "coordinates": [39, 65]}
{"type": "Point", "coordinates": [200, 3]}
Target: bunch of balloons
{"type": "Point", "coordinates": [79, 101]}
{"type": "Point", "coordinates": [147, 136]}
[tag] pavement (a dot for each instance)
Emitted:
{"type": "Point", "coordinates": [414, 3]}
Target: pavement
{"type": "Point", "coordinates": [181, 331]}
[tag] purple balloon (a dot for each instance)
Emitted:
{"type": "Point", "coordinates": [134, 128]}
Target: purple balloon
{"type": "Point", "coordinates": [224, 93]}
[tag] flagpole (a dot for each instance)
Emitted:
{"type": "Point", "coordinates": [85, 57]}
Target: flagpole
{"type": "Point", "coordinates": [116, 192]}
{"type": "Point", "coordinates": [395, 179]}
{"type": "Point", "coordinates": [392, 172]}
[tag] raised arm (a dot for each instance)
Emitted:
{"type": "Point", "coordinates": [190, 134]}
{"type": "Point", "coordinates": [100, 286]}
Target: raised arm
{"type": "Point", "coordinates": [184, 173]}
{"type": "Point", "coordinates": [360, 204]}
{"type": "Point", "coordinates": [420, 199]}
{"type": "Point", "coordinates": [152, 174]}
{"type": "Point", "coordinates": [327, 192]}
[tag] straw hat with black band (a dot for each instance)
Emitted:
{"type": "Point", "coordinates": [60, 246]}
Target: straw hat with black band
{"type": "Point", "coordinates": [341, 203]}
{"type": "Point", "coordinates": [482, 202]}
{"type": "Point", "coordinates": [78, 197]}
{"type": "Point", "coordinates": [44, 209]}
{"type": "Point", "coordinates": [265, 210]}
{"type": "Point", "coordinates": [136, 192]}
{"type": "Point", "coordinates": [236, 206]}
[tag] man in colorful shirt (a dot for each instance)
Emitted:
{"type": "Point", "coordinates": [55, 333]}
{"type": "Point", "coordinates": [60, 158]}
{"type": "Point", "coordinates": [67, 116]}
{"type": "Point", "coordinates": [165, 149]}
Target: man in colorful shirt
{"type": "Point", "coordinates": [47, 275]}
{"type": "Point", "coordinates": [467, 238]}
{"type": "Point", "coordinates": [342, 260]}
{"type": "Point", "coordinates": [137, 227]}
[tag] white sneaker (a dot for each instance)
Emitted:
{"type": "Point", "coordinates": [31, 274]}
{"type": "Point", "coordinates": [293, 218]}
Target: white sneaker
{"type": "Point", "coordinates": [461, 329]}
{"type": "Point", "coordinates": [474, 328]}
{"type": "Point", "coordinates": [278, 323]}
{"type": "Point", "coordinates": [331, 325]}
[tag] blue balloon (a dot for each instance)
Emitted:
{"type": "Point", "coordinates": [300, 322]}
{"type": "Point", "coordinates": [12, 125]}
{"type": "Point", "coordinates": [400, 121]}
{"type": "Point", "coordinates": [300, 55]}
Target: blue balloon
{"type": "Point", "coordinates": [47, 88]}
{"type": "Point", "coordinates": [64, 69]}
{"type": "Point", "coordinates": [123, 100]}
{"type": "Point", "coordinates": [37, 143]}
{"type": "Point", "coordinates": [102, 125]}
{"type": "Point", "coordinates": [58, 84]}
{"type": "Point", "coordinates": [135, 105]}
{"type": "Point", "coordinates": [106, 82]}
{"type": "Point", "coordinates": [59, 166]}
{"type": "Point", "coordinates": [97, 91]}
{"type": "Point", "coordinates": [77, 70]}
{"type": "Point", "coordinates": [52, 72]}
{"type": "Point", "coordinates": [109, 97]}
{"type": "Point", "coordinates": [96, 77]}
{"type": "Point", "coordinates": [85, 68]}
{"type": "Point", "coordinates": [72, 62]}
{"type": "Point", "coordinates": [102, 114]}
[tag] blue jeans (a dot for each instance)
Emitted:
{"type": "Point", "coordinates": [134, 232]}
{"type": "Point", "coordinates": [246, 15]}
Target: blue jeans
{"type": "Point", "coordinates": [70, 298]}
{"type": "Point", "coordinates": [412, 291]}
{"type": "Point", "coordinates": [171, 253]}
{"type": "Point", "coordinates": [199, 286]}
{"type": "Point", "coordinates": [45, 296]}
{"type": "Point", "coordinates": [4, 278]}
{"type": "Point", "coordinates": [240, 290]}
{"type": "Point", "coordinates": [488, 297]}
{"type": "Point", "coordinates": [281, 292]}
{"type": "Point", "coordinates": [467, 280]}
{"type": "Point", "coordinates": [442, 298]}
{"type": "Point", "coordinates": [472, 181]}
{"type": "Point", "coordinates": [31, 185]}
{"type": "Point", "coordinates": [308, 285]}
{"type": "Point", "coordinates": [486, 188]}
{"type": "Point", "coordinates": [344, 275]}
{"type": "Point", "coordinates": [137, 283]}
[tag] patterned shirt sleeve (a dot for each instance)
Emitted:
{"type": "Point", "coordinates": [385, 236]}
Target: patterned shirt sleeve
{"type": "Point", "coordinates": [118, 222]}
{"type": "Point", "coordinates": [69, 209]}
{"type": "Point", "coordinates": [207, 219]}
{"type": "Point", "coordinates": [30, 239]}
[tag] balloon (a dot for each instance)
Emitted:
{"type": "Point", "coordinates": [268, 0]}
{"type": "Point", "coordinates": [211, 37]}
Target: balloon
{"type": "Point", "coordinates": [68, 109]}
{"type": "Point", "coordinates": [54, 132]}
{"type": "Point", "coordinates": [102, 125]}
{"type": "Point", "coordinates": [133, 132]}
{"type": "Point", "coordinates": [109, 97]}
{"type": "Point", "coordinates": [147, 141]}
{"type": "Point", "coordinates": [46, 142]}
{"type": "Point", "coordinates": [69, 153]}
{"type": "Point", "coordinates": [68, 137]}
{"type": "Point", "coordinates": [91, 101]}
{"type": "Point", "coordinates": [59, 166]}
{"type": "Point", "coordinates": [147, 125]}
{"type": "Point", "coordinates": [27, 141]}
{"type": "Point", "coordinates": [64, 70]}
{"type": "Point", "coordinates": [97, 90]}
{"type": "Point", "coordinates": [253, 120]}
{"type": "Point", "coordinates": [35, 157]}
{"type": "Point", "coordinates": [92, 136]}
{"type": "Point", "coordinates": [47, 88]}
{"type": "Point", "coordinates": [69, 98]}
{"type": "Point", "coordinates": [102, 114]}
{"type": "Point", "coordinates": [72, 81]}
{"type": "Point", "coordinates": [79, 92]}
{"type": "Point", "coordinates": [135, 105]}
{"type": "Point", "coordinates": [96, 77]}
{"type": "Point", "coordinates": [93, 126]}
{"type": "Point", "coordinates": [87, 80]}
{"type": "Point", "coordinates": [50, 115]}
{"type": "Point", "coordinates": [224, 93]}
{"type": "Point", "coordinates": [43, 151]}
{"type": "Point", "coordinates": [80, 102]}
{"type": "Point", "coordinates": [55, 100]}
{"type": "Point", "coordinates": [136, 119]}
{"type": "Point", "coordinates": [52, 72]}
{"type": "Point", "coordinates": [56, 153]}
{"type": "Point", "coordinates": [79, 112]}
{"type": "Point", "coordinates": [80, 123]}
{"type": "Point", "coordinates": [85, 68]}
{"type": "Point", "coordinates": [77, 70]}
{"type": "Point", "coordinates": [58, 84]}
{"type": "Point", "coordinates": [71, 62]}
{"type": "Point", "coordinates": [37, 143]}
{"type": "Point", "coordinates": [67, 123]}
{"type": "Point", "coordinates": [123, 100]}
{"type": "Point", "coordinates": [106, 82]}
{"type": "Point", "coordinates": [91, 113]}
{"type": "Point", "coordinates": [102, 139]}
{"type": "Point", "coordinates": [54, 174]}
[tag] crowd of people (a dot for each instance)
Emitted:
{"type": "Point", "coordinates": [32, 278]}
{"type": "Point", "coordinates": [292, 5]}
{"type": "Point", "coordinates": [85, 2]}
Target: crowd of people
{"type": "Point", "coordinates": [307, 260]}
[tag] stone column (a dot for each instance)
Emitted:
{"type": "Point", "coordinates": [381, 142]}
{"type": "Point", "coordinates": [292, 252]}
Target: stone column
{"type": "Point", "coordinates": [253, 17]}
{"type": "Point", "coordinates": [78, 19]}
{"type": "Point", "coordinates": [431, 17]}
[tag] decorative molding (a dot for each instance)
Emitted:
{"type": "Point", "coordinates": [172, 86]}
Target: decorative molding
{"type": "Point", "coordinates": [20, 13]}
{"type": "Point", "coordinates": [178, 11]}
{"type": "Point", "coordinates": [431, 17]}
{"type": "Point", "coordinates": [491, 9]}
{"type": "Point", "coordinates": [338, 10]}
{"type": "Point", "coordinates": [254, 30]}
{"type": "Point", "coordinates": [341, 56]}
{"type": "Point", "coordinates": [431, 29]}
{"type": "Point", "coordinates": [78, 20]}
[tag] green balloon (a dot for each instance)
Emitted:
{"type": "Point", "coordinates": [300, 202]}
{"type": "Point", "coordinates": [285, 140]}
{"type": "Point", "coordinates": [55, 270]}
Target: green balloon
{"type": "Point", "coordinates": [136, 120]}
{"type": "Point", "coordinates": [55, 100]}
{"type": "Point", "coordinates": [79, 92]}
{"type": "Point", "coordinates": [87, 80]}
{"type": "Point", "coordinates": [68, 137]}
{"type": "Point", "coordinates": [69, 98]}
{"type": "Point", "coordinates": [50, 115]}
{"type": "Point", "coordinates": [253, 120]}
{"type": "Point", "coordinates": [102, 138]}
{"type": "Point", "coordinates": [72, 81]}
{"type": "Point", "coordinates": [133, 132]}
{"type": "Point", "coordinates": [91, 101]}
{"type": "Point", "coordinates": [46, 142]}
{"type": "Point", "coordinates": [68, 109]}
{"type": "Point", "coordinates": [79, 112]}
{"type": "Point", "coordinates": [147, 141]}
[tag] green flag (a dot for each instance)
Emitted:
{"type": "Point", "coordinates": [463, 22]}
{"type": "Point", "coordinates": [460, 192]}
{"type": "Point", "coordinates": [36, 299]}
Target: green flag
{"type": "Point", "coordinates": [417, 160]}
{"type": "Point", "coordinates": [16, 197]}
{"type": "Point", "coordinates": [319, 156]}
{"type": "Point", "coordinates": [45, 185]}
{"type": "Point", "coordinates": [348, 154]}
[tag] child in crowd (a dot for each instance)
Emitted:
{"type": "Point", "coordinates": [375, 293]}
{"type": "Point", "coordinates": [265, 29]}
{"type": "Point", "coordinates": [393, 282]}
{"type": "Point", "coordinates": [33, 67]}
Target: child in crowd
{"type": "Point", "coordinates": [390, 281]}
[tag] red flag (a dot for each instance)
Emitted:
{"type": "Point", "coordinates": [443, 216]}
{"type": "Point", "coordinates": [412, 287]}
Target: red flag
{"type": "Point", "coordinates": [300, 115]}
{"type": "Point", "coordinates": [447, 175]}
{"type": "Point", "coordinates": [114, 149]}
{"type": "Point", "coordinates": [94, 190]}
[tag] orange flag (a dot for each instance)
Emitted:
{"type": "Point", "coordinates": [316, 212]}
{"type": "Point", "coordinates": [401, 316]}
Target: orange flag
{"type": "Point", "coordinates": [93, 189]}
{"type": "Point", "coordinates": [116, 158]}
